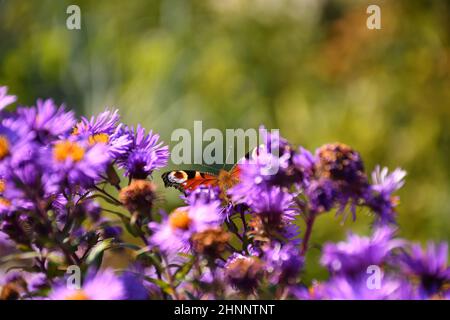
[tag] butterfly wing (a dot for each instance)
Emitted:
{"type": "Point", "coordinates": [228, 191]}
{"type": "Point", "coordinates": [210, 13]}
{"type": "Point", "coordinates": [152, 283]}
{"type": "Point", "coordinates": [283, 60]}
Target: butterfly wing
{"type": "Point", "coordinates": [188, 180]}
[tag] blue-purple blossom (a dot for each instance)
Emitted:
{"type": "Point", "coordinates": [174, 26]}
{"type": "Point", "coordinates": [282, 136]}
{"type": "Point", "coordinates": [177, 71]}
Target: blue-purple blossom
{"type": "Point", "coordinates": [105, 285]}
{"type": "Point", "coordinates": [105, 129]}
{"type": "Point", "coordinates": [353, 256]}
{"type": "Point", "coordinates": [173, 234]}
{"type": "Point", "coordinates": [283, 263]}
{"type": "Point", "coordinates": [62, 203]}
{"type": "Point", "coordinates": [5, 99]}
{"type": "Point", "coordinates": [146, 154]}
{"type": "Point", "coordinates": [429, 266]}
{"type": "Point", "coordinates": [322, 195]}
{"type": "Point", "coordinates": [262, 170]}
{"type": "Point", "coordinates": [304, 161]}
{"type": "Point", "coordinates": [379, 197]}
{"type": "Point", "coordinates": [46, 119]}
{"type": "Point", "coordinates": [134, 286]}
{"type": "Point", "coordinates": [202, 194]}
{"type": "Point", "coordinates": [343, 288]}
{"type": "Point", "coordinates": [76, 162]}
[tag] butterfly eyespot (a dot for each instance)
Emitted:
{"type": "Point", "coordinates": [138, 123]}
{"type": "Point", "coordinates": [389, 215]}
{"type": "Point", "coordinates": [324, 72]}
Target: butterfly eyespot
{"type": "Point", "coordinates": [178, 176]}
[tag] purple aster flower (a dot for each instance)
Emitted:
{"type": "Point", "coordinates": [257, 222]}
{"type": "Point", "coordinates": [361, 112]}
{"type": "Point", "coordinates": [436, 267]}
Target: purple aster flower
{"type": "Point", "coordinates": [379, 198]}
{"type": "Point", "coordinates": [304, 161]}
{"type": "Point", "coordinates": [273, 141]}
{"type": "Point", "coordinates": [202, 194]}
{"type": "Point", "coordinates": [105, 122]}
{"type": "Point", "coordinates": [144, 273]}
{"type": "Point", "coordinates": [145, 155]}
{"type": "Point", "coordinates": [353, 257]}
{"type": "Point", "coordinates": [257, 174]}
{"type": "Point", "coordinates": [429, 265]}
{"type": "Point", "coordinates": [76, 162]}
{"type": "Point", "coordinates": [265, 169]}
{"type": "Point", "coordinates": [173, 234]}
{"type": "Point", "coordinates": [46, 120]}
{"type": "Point", "coordinates": [134, 286]}
{"type": "Point", "coordinates": [15, 147]}
{"type": "Point", "coordinates": [383, 182]}
{"type": "Point", "coordinates": [105, 129]}
{"type": "Point", "coordinates": [274, 213]}
{"type": "Point", "coordinates": [25, 179]}
{"type": "Point", "coordinates": [342, 288]}
{"type": "Point", "coordinates": [105, 285]}
{"type": "Point", "coordinates": [283, 263]}
{"type": "Point", "coordinates": [322, 195]}
{"type": "Point", "coordinates": [5, 99]}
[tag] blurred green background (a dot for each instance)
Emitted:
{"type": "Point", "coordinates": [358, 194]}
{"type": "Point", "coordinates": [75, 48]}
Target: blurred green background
{"type": "Point", "coordinates": [308, 67]}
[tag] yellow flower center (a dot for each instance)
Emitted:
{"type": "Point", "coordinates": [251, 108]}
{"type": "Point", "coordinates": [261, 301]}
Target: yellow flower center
{"type": "Point", "coordinates": [64, 150]}
{"type": "Point", "coordinates": [179, 219]}
{"type": "Point", "coordinates": [98, 138]}
{"type": "Point", "coordinates": [77, 295]}
{"type": "Point", "coordinates": [4, 147]}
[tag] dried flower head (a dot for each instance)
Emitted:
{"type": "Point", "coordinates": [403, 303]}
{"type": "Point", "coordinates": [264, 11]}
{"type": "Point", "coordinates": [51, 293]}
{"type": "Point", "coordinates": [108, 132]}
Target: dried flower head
{"type": "Point", "coordinates": [211, 242]}
{"type": "Point", "coordinates": [339, 162]}
{"type": "Point", "coordinates": [138, 196]}
{"type": "Point", "coordinates": [244, 273]}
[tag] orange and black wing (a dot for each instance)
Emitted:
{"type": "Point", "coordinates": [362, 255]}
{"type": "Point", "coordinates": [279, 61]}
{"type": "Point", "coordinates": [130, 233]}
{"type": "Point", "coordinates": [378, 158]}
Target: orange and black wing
{"type": "Point", "coordinates": [188, 180]}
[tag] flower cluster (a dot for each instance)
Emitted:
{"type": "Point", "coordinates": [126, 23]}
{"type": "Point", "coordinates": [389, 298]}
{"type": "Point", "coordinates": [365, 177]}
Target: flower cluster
{"type": "Point", "coordinates": [74, 190]}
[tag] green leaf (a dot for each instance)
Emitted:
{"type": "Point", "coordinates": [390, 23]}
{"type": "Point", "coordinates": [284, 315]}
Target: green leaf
{"type": "Point", "coordinates": [162, 284]}
{"type": "Point", "coordinates": [184, 270]}
{"type": "Point", "coordinates": [96, 253]}
{"type": "Point", "coordinates": [19, 256]}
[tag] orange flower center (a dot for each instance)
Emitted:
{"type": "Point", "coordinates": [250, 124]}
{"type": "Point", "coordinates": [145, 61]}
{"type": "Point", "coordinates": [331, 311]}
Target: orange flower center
{"type": "Point", "coordinates": [2, 185]}
{"type": "Point", "coordinates": [64, 150]}
{"type": "Point", "coordinates": [179, 219]}
{"type": "Point", "coordinates": [5, 202]}
{"type": "Point", "coordinates": [4, 147]}
{"type": "Point", "coordinates": [98, 138]}
{"type": "Point", "coordinates": [78, 295]}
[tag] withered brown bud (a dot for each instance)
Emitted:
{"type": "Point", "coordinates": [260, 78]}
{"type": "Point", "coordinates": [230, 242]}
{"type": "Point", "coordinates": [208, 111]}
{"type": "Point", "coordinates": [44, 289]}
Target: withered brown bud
{"type": "Point", "coordinates": [13, 290]}
{"type": "Point", "coordinates": [138, 196]}
{"type": "Point", "coordinates": [261, 229]}
{"type": "Point", "coordinates": [10, 291]}
{"type": "Point", "coordinates": [211, 242]}
{"type": "Point", "coordinates": [244, 273]}
{"type": "Point", "coordinates": [339, 162]}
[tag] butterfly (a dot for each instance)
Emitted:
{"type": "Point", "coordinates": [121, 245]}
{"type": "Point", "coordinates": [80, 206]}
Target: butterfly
{"type": "Point", "coordinates": [189, 180]}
